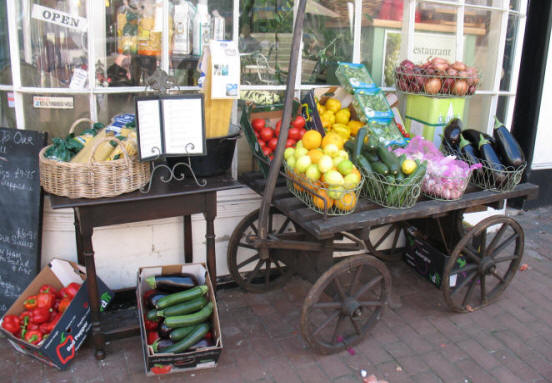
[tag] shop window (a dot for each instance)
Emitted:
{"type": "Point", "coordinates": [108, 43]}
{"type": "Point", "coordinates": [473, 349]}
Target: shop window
{"type": "Point", "coordinates": [509, 53]}
{"type": "Point", "coordinates": [7, 110]}
{"type": "Point", "coordinates": [327, 39]}
{"type": "Point", "coordinates": [53, 43]}
{"type": "Point", "coordinates": [476, 112]}
{"type": "Point", "coordinates": [5, 65]}
{"type": "Point", "coordinates": [108, 105]}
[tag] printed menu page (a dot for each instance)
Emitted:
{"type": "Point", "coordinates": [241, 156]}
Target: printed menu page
{"type": "Point", "coordinates": [149, 129]}
{"type": "Point", "coordinates": [183, 126]}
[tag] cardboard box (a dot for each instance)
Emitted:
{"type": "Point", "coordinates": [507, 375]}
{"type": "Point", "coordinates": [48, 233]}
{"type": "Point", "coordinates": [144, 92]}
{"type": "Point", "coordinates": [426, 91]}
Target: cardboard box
{"type": "Point", "coordinates": [157, 364]}
{"type": "Point", "coordinates": [70, 332]}
{"type": "Point", "coordinates": [429, 258]}
{"type": "Point", "coordinates": [427, 116]}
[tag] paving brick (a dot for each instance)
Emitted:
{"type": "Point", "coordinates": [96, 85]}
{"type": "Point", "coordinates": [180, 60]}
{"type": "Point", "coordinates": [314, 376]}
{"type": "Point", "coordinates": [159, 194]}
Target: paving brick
{"type": "Point", "coordinates": [452, 352]}
{"type": "Point", "coordinates": [412, 364]}
{"type": "Point", "coordinates": [526, 354]}
{"type": "Point", "coordinates": [444, 368]}
{"type": "Point", "coordinates": [503, 375]}
{"type": "Point", "coordinates": [519, 368]}
{"type": "Point", "coordinates": [474, 372]}
{"type": "Point", "coordinates": [374, 352]}
{"type": "Point", "coordinates": [311, 373]}
{"type": "Point", "coordinates": [426, 377]}
{"type": "Point", "coordinates": [334, 367]}
{"type": "Point", "coordinates": [282, 371]}
{"type": "Point", "coordinates": [448, 329]}
{"type": "Point", "coordinates": [398, 349]}
{"type": "Point", "coordinates": [479, 354]}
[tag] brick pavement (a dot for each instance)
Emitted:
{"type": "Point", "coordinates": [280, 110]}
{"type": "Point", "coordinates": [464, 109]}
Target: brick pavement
{"type": "Point", "coordinates": [510, 341]}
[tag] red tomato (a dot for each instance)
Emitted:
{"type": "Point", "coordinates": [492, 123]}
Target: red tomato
{"type": "Point", "coordinates": [294, 134]}
{"type": "Point", "coordinates": [258, 124]}
{"type": "Point", "coordinates": [256, 133]}
{"type": "Point", "coordinates": [272, 143]}
{"type": "Point", "coordinates": [290, 143]}
{"type": "Point", "coordinates": [262, 144]}
{"type": "Point", "coordinates": [267, 151]}
{"type": "Point", "coordinates": [271, 157]}
{"type": "Point", "coordinates": [302, 132]}
{"type": "Point", "coordinates": [266, 134]}
{"type": "Point", "coordinates": [299, 122]}
{"type": "Point", "coordinates": [278, 126]}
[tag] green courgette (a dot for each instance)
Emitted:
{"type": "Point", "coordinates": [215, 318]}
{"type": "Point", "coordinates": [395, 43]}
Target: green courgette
{"type": "Point", "coordinates": [418, 173]}
{"type": "Point", "coordinates": [182, 296]}
{"type": "Point", "coordinates": [370, 155]}
{"type": "Point", "coordinates": [372, 143]}
{"type": "Point", "coordinates": [363, 163]}
{"type": "Point", "coordinates": [389, 159]}
{"type": "Point", "coordinates": [362, 132]}
{"type": "Point", "coordinates": [152, 315]}
{"type": "Point", "coordinates": [380, 168]}
{"type": "Point", "coordinates": [190, 319]}
{"type": "Point", "coordinates": [349, 146]}
{"type": "Point", "coordinates": [184, 307]}
{"type": "Point", "coordinates": [180, 333]}
{"type": "Point", "coordinates": [192, 338]}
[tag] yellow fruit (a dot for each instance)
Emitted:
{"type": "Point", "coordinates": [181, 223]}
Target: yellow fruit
{"type": "Point", "coordinates": [333, 138]}
{"type": "Point", "coordinates": [319, 201]}
{"type": "Point", "coordinates": [343, 130]}
{"type": "Point", "coordinates": [347, 202]}
{"type": "Point", "coordinates": [325, 122]}
{"type": "Point", "coordinates": [333, 104]}
{"type": "Point", "coordinates": [312, 139]}
{"type": "Point", "coordinates": [408, 166]}
{"type": "Point", "coordinates": [354, 126]}
{"type": "Point", "coordinates": [343, 116]}
{"type": "Point", "coordinates": [330, 116]}
{"type": "Point", "coordinates": [315, 155]}
{"type": "Point", "coordinates": [331, 150]}
{"type": "Point", "coordinates": [321, 108]}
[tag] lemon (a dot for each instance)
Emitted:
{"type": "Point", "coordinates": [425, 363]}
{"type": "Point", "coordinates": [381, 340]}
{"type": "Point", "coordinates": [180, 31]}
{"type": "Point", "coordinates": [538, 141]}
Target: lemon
{"type": "Point", "coordinates": [343, 116]}
{"type": "Point", "coordinates": [408, 166]}
{"type": "Point", "coordinates": [333, 104]}
{"type": "Point", "coordinates": [354, 126]}
{"type": "Point", "coordinates": [329, 116]}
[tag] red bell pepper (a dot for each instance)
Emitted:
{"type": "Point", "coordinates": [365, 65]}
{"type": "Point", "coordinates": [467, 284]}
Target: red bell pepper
{"type": "Point", "coordinates": [33, 336]}
{"type": "Point", "coordinates": [47, 327]}
{"type": "Point", "coordinates": [70, 290]}
{"type": "Point", "coordinates": [33, 326]}
{"type": "Point", "coordinates": [65, 302]}
{"type": "Point", "coordinates": [11, 323]}
{"type": "Point", "coordinates": [40, 315]}
{"type": "Point", "coordinates": [46, 300]}
{"type": "Point", "coordinates": [30, 303]}
{"type": "Point", "coordinates": [150, 324]}
{"type": "Point", "coordinates": [48, 289]}
{"type": "Point", "coordinates": [152, 336]}
{"type": "Point", "coordinates": [23, 315]}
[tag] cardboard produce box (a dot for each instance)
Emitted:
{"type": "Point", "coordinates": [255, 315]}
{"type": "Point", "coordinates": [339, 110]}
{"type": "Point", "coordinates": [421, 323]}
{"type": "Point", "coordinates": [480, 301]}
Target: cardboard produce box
{"type": "Point", "coordinates": [60, 347]}
{"type": "Point", "coordinates": [429, 259]}
{"type": "Point", "coordinates": [168, 363]}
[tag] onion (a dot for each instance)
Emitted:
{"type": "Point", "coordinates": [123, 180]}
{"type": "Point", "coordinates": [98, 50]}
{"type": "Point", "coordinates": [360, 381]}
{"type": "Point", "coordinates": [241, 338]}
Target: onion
{"type": "Point", "coordinates": [471, 90]}
{"type": "Point", "coordinates": [407, 64]}
{"type": "Point", "coordinates": [439, 60]}
{"type": "Point", "coordinates": [460, 87]}
{"type": "Point", "coordinates": [448, 84]}
{"type": "Point", "coordinates": [452, 72]}
{"type": "Point", "coordinates": [459, 66]}
{"type": "Point", "coordinates": [440, 67]}
{"type": "Point", "coordinates": [433, 86]}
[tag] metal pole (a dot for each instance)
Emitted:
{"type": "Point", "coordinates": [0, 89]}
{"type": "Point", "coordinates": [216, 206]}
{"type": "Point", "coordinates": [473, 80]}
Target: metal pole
{"type": "Point", "coordinates": [286, 120]}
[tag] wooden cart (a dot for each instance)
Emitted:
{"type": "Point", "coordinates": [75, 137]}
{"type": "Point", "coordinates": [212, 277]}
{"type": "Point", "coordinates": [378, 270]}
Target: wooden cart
{"type": "Point", "coordinates": [349, 294]}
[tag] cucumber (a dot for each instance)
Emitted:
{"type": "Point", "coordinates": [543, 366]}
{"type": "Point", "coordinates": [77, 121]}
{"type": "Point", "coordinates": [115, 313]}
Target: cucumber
{"type": "Point", "coordinates": [363, 163]}
{"type": "Point", "coordinates": [372, 143]}
{"type": "Point", "coordinates": [181, 296]}
{"type": "Point", "coordinates": [380, 168]}
{"type": "Point", "coordinates": [362, 132]}
{"type": "Point", "coordinates": [418, 173]}
{"type": "Point", "coordinates": [389, 159]}
{"type": "Point", "coordinates": [180, 333]}
{"type": "Point", "coordinates": [184, 307]}
{"type": "Point", "coordinates": [190, 319]}
{"type": "Point", "coordinates": [192, 338]}
{"type": "Point", "coordinates": [349, 146]}
{"type": "Point", "coordinates": [370, 154]}
{"type": "Point", "coordinates": [152, 315]}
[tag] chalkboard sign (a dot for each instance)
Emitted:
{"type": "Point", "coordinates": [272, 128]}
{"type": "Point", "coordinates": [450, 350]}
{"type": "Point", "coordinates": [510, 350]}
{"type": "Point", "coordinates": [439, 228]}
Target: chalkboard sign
{"type": "Point", "coordinates": [20, 212]}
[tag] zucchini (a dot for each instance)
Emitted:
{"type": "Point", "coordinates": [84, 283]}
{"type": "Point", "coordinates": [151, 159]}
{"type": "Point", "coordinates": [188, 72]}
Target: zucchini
{"type": "Point", "coordinates": [349, 146]}
{"type": "Point", "coordinates": [380, 168]}
{"type": "Point", "coordinates": [389, 159]}
{"type": "Point", "coordinates": [418, 173]}
{"type": "Point", "coordinates": [152, 315]}
{"type": "Point", "coordinates": [372, 143]}
{"type": "Point", "coordinates": [362, 132]}
{"type": "Point", "coordinates": [184, 307]}
{"type": "Point", "coordinates": [190, 319]}
{"type": "Point", "coordinates": [182, 296]}
{"type": "Point", "coordinates": [363, 163]}
{"type": "Point", "coordinates": [370, 154]}
{"type": "Point", "coordinates": [180, 333]}
{"type": "Point", "coordinates": [192, 338]}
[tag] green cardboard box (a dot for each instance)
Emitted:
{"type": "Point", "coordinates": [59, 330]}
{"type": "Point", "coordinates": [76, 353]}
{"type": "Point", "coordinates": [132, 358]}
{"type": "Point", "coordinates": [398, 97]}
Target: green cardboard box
{"type": "Point", "coordinates": [427, 116]}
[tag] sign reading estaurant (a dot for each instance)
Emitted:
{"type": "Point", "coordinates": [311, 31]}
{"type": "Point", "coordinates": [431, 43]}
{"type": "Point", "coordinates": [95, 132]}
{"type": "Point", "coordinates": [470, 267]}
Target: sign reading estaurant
{"type": "Point", "coordinates": [63, 19]}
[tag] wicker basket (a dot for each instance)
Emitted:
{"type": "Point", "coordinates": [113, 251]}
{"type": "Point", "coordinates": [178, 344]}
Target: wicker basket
{"type": "Point", "coordinates": [93, 179]}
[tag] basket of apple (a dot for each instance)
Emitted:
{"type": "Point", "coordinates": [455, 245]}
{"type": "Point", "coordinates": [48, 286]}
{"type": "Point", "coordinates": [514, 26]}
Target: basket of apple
{"type": "Point", "coordinates": [437, 78]}
{"type": "Point", "coordinates": [321, 175]}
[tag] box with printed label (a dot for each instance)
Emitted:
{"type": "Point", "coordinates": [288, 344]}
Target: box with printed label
{"type": "Point", "coordinates": [160, 363]}
{"type": "Point", "coordinates": [63, 341]}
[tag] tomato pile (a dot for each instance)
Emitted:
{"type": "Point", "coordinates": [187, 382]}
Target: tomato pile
{"type": "Point", "coordinates": [268, 136]}
{"type": "Point", "coordinates": [42, 313]}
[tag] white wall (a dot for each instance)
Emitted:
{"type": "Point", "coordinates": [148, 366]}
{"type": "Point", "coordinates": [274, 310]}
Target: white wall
{"type": "Point", "coordinates": [542, 158]}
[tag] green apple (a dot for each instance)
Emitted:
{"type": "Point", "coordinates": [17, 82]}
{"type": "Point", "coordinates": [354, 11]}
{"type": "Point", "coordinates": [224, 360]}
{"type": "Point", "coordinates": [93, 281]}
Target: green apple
{"type": "Point", "coordinates": [289, 152]}
{"type": "Point", "coordinates": [300, 152]}
{"type": "Point", "coordinates": [302, 164]}
{"type": "Point", "coordinates": [312, 173]}
{"type": "Point", "coordinates": [351, 180]}
{"type": "Point", "coordinates": [337, 160]}
{"type": "Point", "coordinates": [345, 167]}
{"type": "Point", "coordinates": [291, 162]}
{"type": "Point", "coordinates": [343, 154]}
{"type": "Point", "coordinates": [325, 163]}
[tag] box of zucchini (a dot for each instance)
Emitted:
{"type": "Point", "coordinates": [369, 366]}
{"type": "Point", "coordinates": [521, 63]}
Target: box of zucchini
{"type": "Point", "coordinates": [179, 323]}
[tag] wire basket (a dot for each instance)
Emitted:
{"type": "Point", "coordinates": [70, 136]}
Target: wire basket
{"type": "Point", "coordinates": [442, 86]}
{"type": "Point", "coordinates": [391, 193]}
{"type": "Point", "coordinates": [445, 188]}
{"type": "Point", "coordinates": [322, 198]}
{"type": "Point", "coordinates": [487, 177]}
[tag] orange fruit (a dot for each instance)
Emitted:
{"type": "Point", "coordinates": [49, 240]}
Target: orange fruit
{"type": "Point", "coordinates": [312, 139]}
{"type": "Point", "coordinates": [332, 138]}
{"type": "Point", "coordinates": [355, 126]}
{"type": "Point", "coordinates": [315, 155]}
{"type": "Point", "coordinates": [319, 201]}
{"type": "Point", "coordinates": [347, 202]}
{"type": "Point", "coordinates": [355, 170]}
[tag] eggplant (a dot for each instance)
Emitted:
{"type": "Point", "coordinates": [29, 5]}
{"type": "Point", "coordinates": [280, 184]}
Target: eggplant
{"type": "Point", "coordinates": [164, 331]}
{"type": "Point", "coordinates": [161, 344]}
{"type": "Point", "coordinates": [452, 132]}
{"type": "Point", "coordinates": [469, 153]}
{"type": "Point", "coordinates": [202, 343]}
{"type": "Point", "coordinates": [152, 300]}
{"type": "Point", "coordinates": [172, 282]}
{"type": "Point", "coordinates": [488, 154]}
{"type": "Point", "coordinates": [507, 146]}
{"type": "Point", "coordinates": [472, 136]}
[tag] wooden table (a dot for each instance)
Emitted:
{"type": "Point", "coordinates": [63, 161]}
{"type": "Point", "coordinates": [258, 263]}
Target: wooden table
{"type": "Point", "coordinates": [163, 200]}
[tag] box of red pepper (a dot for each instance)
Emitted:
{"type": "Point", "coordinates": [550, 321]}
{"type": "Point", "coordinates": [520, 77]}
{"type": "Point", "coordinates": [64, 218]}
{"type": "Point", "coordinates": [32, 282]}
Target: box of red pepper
{"type": "Point", "coordinates": [51, 318]}
{"type": "Point", "coordinates": [178, 315]}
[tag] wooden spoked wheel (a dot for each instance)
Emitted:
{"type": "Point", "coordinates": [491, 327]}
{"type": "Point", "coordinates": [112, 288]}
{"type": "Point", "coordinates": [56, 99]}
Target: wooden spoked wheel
{"type": "Point", "coordinates": [247, 268]}
{"type": "Point", "coordinates": [387, 241]}
{"type": "Point", "coordinates": [483, 264]}
{"type": "Point", "coordinates": [345, 303]}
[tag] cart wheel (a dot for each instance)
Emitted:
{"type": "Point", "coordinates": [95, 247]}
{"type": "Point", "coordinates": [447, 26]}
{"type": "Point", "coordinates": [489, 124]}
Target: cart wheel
{"type": "Point", "coordinates": [388, 238]}
{"type": "Point", "coordinates": [481, 269]}
{"type": "Point", "coordinates": [244, 263]}
{"type": "Point", "coordinates": [345, 303]}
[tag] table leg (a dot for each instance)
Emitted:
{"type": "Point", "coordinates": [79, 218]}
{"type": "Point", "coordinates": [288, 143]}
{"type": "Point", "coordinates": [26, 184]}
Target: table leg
{"type": "Point", "coordinates": [188, 246]}
{"type": "Point", "coordinates": [210, 214]}
{"type": "Point", "coordinates": [93, 296]}
{"type": "Point", "coordinates": [80, 257]}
